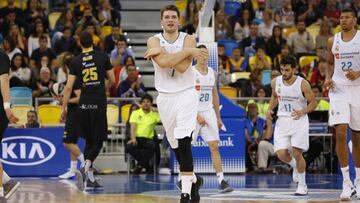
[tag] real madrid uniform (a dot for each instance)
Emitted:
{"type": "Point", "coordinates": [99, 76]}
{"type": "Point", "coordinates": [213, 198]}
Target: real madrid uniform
{"type": "Point", "coordinates": [345, 96]}
{"type": "Point", "coordinates": [209, 132]}
{"type": "Point", "coordinates": [178, 100]}
{"type": "Point", "coordinates": [288, 131]}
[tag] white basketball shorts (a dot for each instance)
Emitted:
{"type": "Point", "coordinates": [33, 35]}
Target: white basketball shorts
{"type": "Point", "coordinates": [209, 132]}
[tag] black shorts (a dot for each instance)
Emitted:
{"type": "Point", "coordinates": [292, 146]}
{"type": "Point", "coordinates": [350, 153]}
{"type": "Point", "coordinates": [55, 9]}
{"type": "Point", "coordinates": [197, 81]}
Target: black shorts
{"type": "Point", "coordinates": [3, 123]}
{"type": "Point", "coordinates": [93, 122]}
{"type": "Point", "coordinates": [72, 127]}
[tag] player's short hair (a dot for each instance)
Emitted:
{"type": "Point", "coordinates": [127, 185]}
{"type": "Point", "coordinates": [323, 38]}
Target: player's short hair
{"type": "Point", "coordinates": [86, 39]}
{"type": "Point", "coordinates": [289, 60]}
{"type": "Point", "coordinates": [201, 46]}
{"type": "Point", "coordinates": [169, 8]}
{"type": "Point", "coordinates": [349, 10]}
{"type": "Point", "coordinates": [148, 97]}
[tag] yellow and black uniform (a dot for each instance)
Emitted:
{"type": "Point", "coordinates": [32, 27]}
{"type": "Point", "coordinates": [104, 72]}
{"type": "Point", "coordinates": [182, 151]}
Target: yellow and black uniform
{"type": "Point", "coordinates": [4, 69]}
{"type": "Point", "coordinates": [90, 68]}
{"type": "Point", "coordinates": [145, 148]}
{"type": "Point", "coordinates": [72, 125]}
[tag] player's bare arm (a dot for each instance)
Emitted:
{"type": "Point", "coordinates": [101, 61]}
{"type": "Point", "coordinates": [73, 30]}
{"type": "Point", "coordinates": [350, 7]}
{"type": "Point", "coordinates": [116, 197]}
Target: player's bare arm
{"type": "Point", "coordinates": [5, 91]}
{"type": "Point", "coordinates": [273, 101]}
{"type": "Point", "coordinates": [216, 104]}
{"type": "Point", "coordinates": [67, 91]}
{"type": "Point", "coordinates": [76, 99]}
{"type": "Point", "coordinates": [110, 77]}
{"type": "Point", "coordinates": [328, 84]}
{"type": "Point", "coordinates": [132, 140]}
{"type": "Point", "coordinates": [310, 98]}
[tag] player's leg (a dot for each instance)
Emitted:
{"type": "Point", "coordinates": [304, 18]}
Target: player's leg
{"type": "Point", "coordinates": [300, 166]}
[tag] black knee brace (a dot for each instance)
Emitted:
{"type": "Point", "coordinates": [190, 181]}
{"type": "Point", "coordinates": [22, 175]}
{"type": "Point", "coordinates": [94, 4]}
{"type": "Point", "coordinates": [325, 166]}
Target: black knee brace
{"type": "Point", "coordinates": [184, 154]}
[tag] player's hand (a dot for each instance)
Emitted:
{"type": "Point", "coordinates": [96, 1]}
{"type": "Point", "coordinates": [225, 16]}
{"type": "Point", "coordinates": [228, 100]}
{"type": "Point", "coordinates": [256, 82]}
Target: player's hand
{"type": "Point", "coordinates": [132, 142]}
{"type": "Point", "coordinates": [297, 114]}
{"type": "Point", "coordinates": [199, 53]}
{"type": "Point", "coordinates": [328, 84]}
{"type": "Point", "coordinates": [352, 75]}
{"type": "Point", "coordinates": [219, 123]}
{"type": "Point", "coordinates": [63, 114]}
{"type": "Point", "coordinates": [57, 98]}
{"type": "Point", "coordinates": [201, 121]}
{"type": "Point", "coordinates": [153, 52]}
{"type": "Point", "coordinates": [269, 115]}
{"type": "Point", "coordinates": [11, 117]}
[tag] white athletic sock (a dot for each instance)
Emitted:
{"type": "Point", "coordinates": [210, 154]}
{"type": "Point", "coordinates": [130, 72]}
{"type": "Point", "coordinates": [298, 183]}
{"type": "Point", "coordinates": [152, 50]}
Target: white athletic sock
{"type": "Point", "coordinates": [345, 173]}
{"type": "Point", "coordinates": [1, 192]}
{"type": "Point", "coordinates": [73, 165]}
{"type": "Point", "coordinates": [194, 179]}
{"type": "Point", "coordinates": [357, 172]}
{"type": "Point", "coordinates": [220, 177]}
{"type": "Point", "coordinates": [90, 174]}
{"type": "Point", "coordinates": [81, 159]}
{"type": "Point", "coordinates": [186, 183]}
{"type": "Point", "coordinates": [292, 163]}
{"type": "Point", "coordinates": [302, 180]}
{"type": "Point", "coordinates": [6, 178]}
{"type": "Point", "coordinates": [87, 165]}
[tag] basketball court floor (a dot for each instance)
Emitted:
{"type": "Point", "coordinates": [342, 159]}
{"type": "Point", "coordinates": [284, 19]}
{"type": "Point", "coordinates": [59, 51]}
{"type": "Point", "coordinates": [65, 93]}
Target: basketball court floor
{"type": "Point", "coordinates": [162, 189]}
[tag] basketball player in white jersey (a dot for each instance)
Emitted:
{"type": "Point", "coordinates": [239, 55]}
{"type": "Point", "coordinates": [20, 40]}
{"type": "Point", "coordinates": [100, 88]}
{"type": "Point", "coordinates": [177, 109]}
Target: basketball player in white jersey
{"type": "Point", "coordinates": [295, 98]}
{"type": "Point", "coordinates": [172, 53]}
{"type": "Point", "coordinates": [343, 80]}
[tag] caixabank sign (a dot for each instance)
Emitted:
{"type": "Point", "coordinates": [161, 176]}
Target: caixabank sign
{"type": "Point", "coordinates": [34, 152]}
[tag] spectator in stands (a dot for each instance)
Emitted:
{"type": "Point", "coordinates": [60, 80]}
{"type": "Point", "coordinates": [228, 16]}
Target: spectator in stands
{"type": "Point", "coordinates": [120, 52]}
{"type": "Point", "coordinates": [10, 19]}
{"type": "Point", "coordinates": [20, 40]}
{"type": "Point", "coordinates": [66, 19]}
{"type": "Point", "coordinates": [10, 48]}
{"type": "Point", "coordinates": [33, 41]}
{"type": "Point", "coordinates": [242, 27]}
{"type": "Point", "coordinates": [254, 128]}
{"type": "Point", "coordinates": [301, 42]}
{"type": "Point", "coordinates": [273, 44]}
{"type": "Point", "coordinates": [43, 50]}
{"type": "Point", "coordinates": [267, 26]}
{"type": "Point", "coordinates": [63, 69]}
{"type": "Point", "coordinates": [80, 8]}
{"type": "Point", "coordinates": [123, 73]}
{"type": "Point", "coordinates": [66, 42]}
{"type": "Point", "coordinates": [249, 88]}
{"type": "Point", "coordinates": [10, 6]}
{"type": "Point", "coordinates": [285, 16]}
{"type": "Point", "coordinates": [222, 26]}
{"type": "Point", "coordinates": [42, 86]}
{"type": "Point", "coordinates": [285, 51]}
{"type": "Point", "coordinates": [91, 28]}
{"type": "Point", "coordinates": [223, 59]}
{"type": "Point", "coordinates": [310, 11]}
{"type": "Point", "coordinates": [332, 12]}
{"type": "Point", "coordinates": [259, 12]}
{"type": "Point", "coordinates": [190, 17]}
{"type": "Point", "coordinates": [132, 86]}
{"type": "Point", "coordinates": [274, 4]}
{"type": "Point", "coordinates": [87, 18]}
{"type": "Point", "coordinates": [235, 61]}
{"type": "Point", "coordinates": [265, 146]}
{"type": "Point", "coordinates": [317, 76]}
{"type": "Point", "coordinates": [260, 60]}
{"type": "Point", "coordinates": [324, 34]}
{"type": "Point", "coordinates": [322, 104]}
{"type": "Point", "coordinates": [142, 146]}
{"type": "Point", "coordinates": [356, 6]}
{"type": "Point", "coordinates": [254, 39]}
{"type": "Point", "coordinates": [32, 120]}
{"type": "Point", "coordinates": [268, 90]}
{"type": "Point", "coordinates": [344, 4]}
{"type": "Point", "coordinates": [261, 103]}
{"type": "Point", "coordinates": [33, 10]}
{"type": "Point", "coordinates": [20, 75]}
{"type": "Point", "coordinates": [111, 40]}
{"type": "Point", "coordinates": [107, 15]}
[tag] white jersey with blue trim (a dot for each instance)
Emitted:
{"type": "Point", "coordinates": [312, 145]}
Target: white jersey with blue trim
{"type": "Point", "coordinates": [206, 83]}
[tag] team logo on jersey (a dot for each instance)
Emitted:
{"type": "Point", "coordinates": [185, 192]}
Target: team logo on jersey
{"type": "Point", "coordinates": [337, 47]}
{"type": "Point", "coordinates": [337, 55]}
{"type": "Point", "coordinates": [197, 85]}
{"type": "Point", "coordinates": [279, 90]}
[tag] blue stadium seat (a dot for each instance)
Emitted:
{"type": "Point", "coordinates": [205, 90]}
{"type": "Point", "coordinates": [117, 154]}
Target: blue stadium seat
{"type": "Point", "coordinates": [231, 7]}
{"type": "Point", "coordinates": [21, 96]}
{"type": "Point", "coordinates": [229, 45]}
{"type": "Point", "coordinates": [266, 77]}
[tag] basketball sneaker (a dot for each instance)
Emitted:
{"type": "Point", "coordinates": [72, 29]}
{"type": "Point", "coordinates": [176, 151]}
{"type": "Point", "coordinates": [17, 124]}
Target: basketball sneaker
{"type": "Point", "coordinates": [80, 178]}
{"type": "Point", "coordinates": [295, 175]}
{"type": "Point", "coordinates": [348, 191]}
{"type": "Point", "coordinates": [10, 187]}
{"type": "Point", "coordinates": [185, 198]}
{"type": "Point", "coordinates": [301, 190]}
{"type": "Point", "coordinates": [225, 187]}
{"type": "Point", "coordinates": [67, 175]}
{"type": "Point", "coordinates": [93, 185]}
{"type": "Point", "coordinates": [357, 186]}
{"type": "Point", "coordinates": [195, 196]}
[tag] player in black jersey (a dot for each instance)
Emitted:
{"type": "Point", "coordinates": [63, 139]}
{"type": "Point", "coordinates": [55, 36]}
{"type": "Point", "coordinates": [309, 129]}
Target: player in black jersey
{"type": "Point", "coordinates": [72, 128]}
{"type": "Point", "coordinates": [7, 185]}
{"type": "Point", "coordinates": [90, 67]}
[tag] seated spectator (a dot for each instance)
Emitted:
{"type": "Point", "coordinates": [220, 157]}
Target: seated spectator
{"type": "Point", "coordinates": [32, 120]}
{"type": "Point", "coordinates": [141, 146]}
{"type": "Point", "coordinates": [132, 86]}
{"type": "Point", "coordinates": [42, 86]}
{"type": "Point", "coordinates": [80, 8]}
{"type": "Point", "coordinates": [273, 45]}
{"type": "Point", "coordinates": [10, 7]}
{"type": "Point", "coordinates": [190, 17]}
{"type": "Point", "coordinates": [242, 28]}
{"type": "Point", "coordinates": [253, 40]}
{"type": "Point", "coordinates": [267, 26]}
{"type": "Point", "coordinates": [66, 42]}
{"type": "Point", "coordinates": [86, 18]}
{"type": "Point", "coordinates": [268, 90]}
{"type": "Point", "coordinates": [222, 26]}
{"type": "Point", "coordinates": [235, 61]}
{"type": "Point", "coordinates": [317, 75]}
{"type": "Point", "coordinates": [332, 12]}
{"type": "Point", "coordinates": [107, 15]}
{"type": "Point", "coordinates": [33, 10]}
{"type": "Point", "coordinates": [20, 75]}
{"type": "Point", "coordinates": [11, 18]}
{"type": "Point", "coordinates": [301, 42]}
{"type": "Point", "coordinates": [66, 19]}
{"type": "Point", "coordinates": [285, 51]}
{"type": "Point", "coordinates": [254, 128]}
{"type": "Point", "coordinates": [223, 59]}
{"type": "Point", "coordinates": [265, 147]}
{"type": "Point", "coordinates": [260, 60]}
{"type": "Point", "coordinates": [20, 40]}
{"type": "Point", "coordinates": [322, 104]}
{"type": "Point", "coordinates": [111, 40]}
{"type": "Point", "coordinates": [311, 11]}
{"type": "Point", "coordinates": [43, 50]}
{"type": "Point", "coordinates": [33, 41]}
{"type": "Point", "coordinates": [91, 28]}
{"type": "Point", "coordinates": [120, 52]}
{"type": "Point", "coordinates": [10, 48]}
{"type": "Point", "coordinates": [248, 87]}
{"type": "Point", "coordinates": [262, 104]}
{"type": "Point", "coordinates": [324, 34]}
{"type": "Point", "coordinates": [285, 17]}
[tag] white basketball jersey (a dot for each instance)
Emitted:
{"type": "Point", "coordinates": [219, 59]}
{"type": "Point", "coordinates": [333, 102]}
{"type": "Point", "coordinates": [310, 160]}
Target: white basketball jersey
{"type": "Point", "coordinates": [346, 57]}
{"type": "Point", "coordinates": [290, 98]}
{"type": "Point", "coordinates": [206, 83]}
{"type": "Point", "coordinates": [168, 80]}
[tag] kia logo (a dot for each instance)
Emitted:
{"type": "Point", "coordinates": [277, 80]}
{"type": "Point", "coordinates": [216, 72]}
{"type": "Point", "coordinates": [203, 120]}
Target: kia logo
{"type": "Point", "coordinates": [26, 151]}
